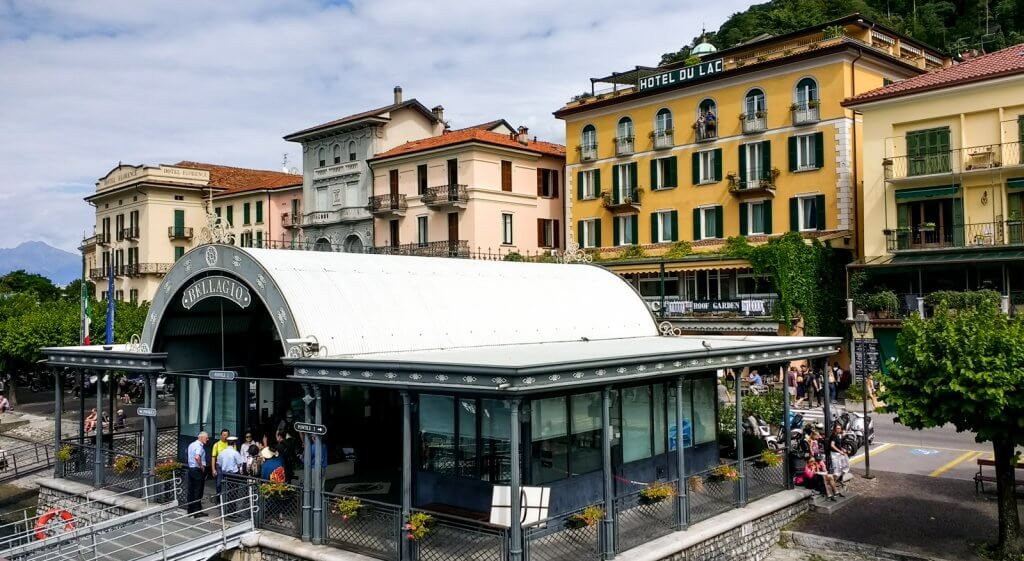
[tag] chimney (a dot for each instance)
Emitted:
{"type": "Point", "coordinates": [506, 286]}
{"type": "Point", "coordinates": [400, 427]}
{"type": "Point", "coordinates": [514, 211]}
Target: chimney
{"type": "Point", "coordinates": [398, 95]}
{"type": "Point", "coordinates": [438, 112]}
{"type": "Point", "coordinates": [524, 137]}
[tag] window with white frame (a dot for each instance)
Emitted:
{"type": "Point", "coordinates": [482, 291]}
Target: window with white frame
{"type": "Point", "coordinates": [663, 122]}
{"type": "Point", "coordinates": [588, 138]}
{"type": "Point", "coordinates": [589, 229]}
{"type": "Point", "coordinates": [625, 180]}
{"type": "Point", "coordinates": [663, 174]}
{"type": "Point", "coordinates": [706, 162]}
{"type": "Point", "coordinates": [755, 171]}
{"type": "Point", "coordinates": [808, 212]}
{"type": "Point", "coordinates": [626, 230]}
{"type": "Point", "coordinates": [805, 152]}
{"type": "Point", "coordinates": [757, 217]}
{"type": "Point", "coordinates": [664, 226]}
{"type": "Point", "coordinates": [421, 230]}
{"type": "Point", "coordinates": [708, 223]}
{"type": "Point", "coordinates": [506, 228]}
{"type": "Point", "coordinates": [589, 178]}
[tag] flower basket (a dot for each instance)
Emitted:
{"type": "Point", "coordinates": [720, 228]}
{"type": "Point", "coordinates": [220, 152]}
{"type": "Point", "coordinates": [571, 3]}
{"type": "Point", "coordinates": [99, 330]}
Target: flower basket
{"type": "Point", "coordinates": [166, 470]}
{"type": "Point", "coordinates": [275, 490]}
{"type": "Point", "coordinates": [695, 483]}
{"type": "Point", "coordinates": [124, 465]}
{"type": "Point", "coordinates": [348, 507]}
{"type": "Point", "coordinates": [768, 459]}
{"type": "Point", "coordinates": [656, 493]}
{"type": "Point", "coordinates": [926, 227]}
{"type": "Point", "coordinates": [585, 518]}
{"type": "Point", "coordinates": [418, 526]}
{"type": "Point", "coordinates": [724, 473]}
{"type": "Point", "coordinates": [65, 453]}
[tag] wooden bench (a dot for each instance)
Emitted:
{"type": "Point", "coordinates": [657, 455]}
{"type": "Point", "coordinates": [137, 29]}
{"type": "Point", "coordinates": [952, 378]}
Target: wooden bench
{"type": "Point", "coordinates": [980, 478]}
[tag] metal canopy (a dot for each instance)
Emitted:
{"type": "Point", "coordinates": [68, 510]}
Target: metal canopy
{"type": "Point", "coordinates": [914, 260]}
{"type": "Point", "coordinates": [105, 357]}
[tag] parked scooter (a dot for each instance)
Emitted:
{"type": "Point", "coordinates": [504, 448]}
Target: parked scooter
{"type": "Point", "coordinates": [854, 431]}
{"type": "Point", "coordinates": [756, 426]}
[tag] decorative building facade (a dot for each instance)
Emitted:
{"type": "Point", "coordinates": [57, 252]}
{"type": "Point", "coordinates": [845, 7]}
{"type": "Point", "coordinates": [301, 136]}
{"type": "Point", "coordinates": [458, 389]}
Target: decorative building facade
{"type": "Point", "coordinates": [336, 178]}
{"type": "Point", "coordinates": [751, 141]}
{"type": "Point", "coordinates": [481, 189]}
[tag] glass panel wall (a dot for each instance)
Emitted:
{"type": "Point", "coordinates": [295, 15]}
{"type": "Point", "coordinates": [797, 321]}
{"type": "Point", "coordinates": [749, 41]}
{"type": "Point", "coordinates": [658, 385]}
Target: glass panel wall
{"type": "Point", "coordinates": [704, 420]}
{"type": "Point", "coordinates": [586, 432]}
{"type": "Point", "coordinates": [636, 423]}
{"type": "Point", "coordinates": [495, 451]}
{"type": "Point", "coordinates": [437, 433]}
{"type": "Point", "coordinates": [550, 450]}
{"type": "Point", "coordinates": [467, 438]}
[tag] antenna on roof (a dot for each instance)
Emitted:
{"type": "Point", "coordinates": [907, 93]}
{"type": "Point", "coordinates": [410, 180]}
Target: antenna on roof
{"type": "Point", "coordinates": [284, 162]}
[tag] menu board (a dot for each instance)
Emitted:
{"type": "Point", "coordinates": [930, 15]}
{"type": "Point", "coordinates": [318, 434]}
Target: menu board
{"type": "Point", "coordinates": [866, 357]}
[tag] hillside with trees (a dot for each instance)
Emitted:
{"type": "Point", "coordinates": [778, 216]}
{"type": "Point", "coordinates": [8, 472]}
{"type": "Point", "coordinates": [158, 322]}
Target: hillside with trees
{"type": "Point", "coordinates": [952, 26]}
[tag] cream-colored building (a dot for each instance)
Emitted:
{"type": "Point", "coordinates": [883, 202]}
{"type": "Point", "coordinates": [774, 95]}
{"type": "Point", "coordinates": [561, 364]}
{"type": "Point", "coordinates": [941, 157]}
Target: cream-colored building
{"type": "Point", "coordinates": [483, 189]}
{"type": "Point", "coordinates": [149, 216]}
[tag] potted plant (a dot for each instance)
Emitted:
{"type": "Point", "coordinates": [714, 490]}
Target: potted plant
{"type": "Point", "coordinates": [588, 517]}
{"type": "Point", "coordinates": [814, 103]}
{"type": "Point", "coordinates": [759, 114]}
{"type": "Point", "coordinates": [695, 483]}
{"type": "Point", "coordinates": [926, 227]}
{"type": "Point", "coordinates": [768, 459]}
{"type": "Point", "coordinates": [347, 507]}
{"type": "Point", "coordinates": [65, 453]}
{"type": "Point", "coordinates": [724, 472]}
{"type": "Point", "coordinates": [657, 492]}
{"type": "Point", "coordinates": [165, 470]}
{"type": "Point", "coordinates": [885, 304]}
{"type": "Point", "coordinates": [124, 465]}
{"type": "Point", "coordinates": [418, 526]}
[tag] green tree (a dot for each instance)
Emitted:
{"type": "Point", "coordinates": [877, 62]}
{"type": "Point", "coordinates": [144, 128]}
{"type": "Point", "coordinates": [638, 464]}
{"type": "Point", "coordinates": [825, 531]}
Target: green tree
{"type": "Point", "coordinates": [20, 281]}
{"type": "Point", "coordinates": [129, 319]}
{"type": "Point", "coordinates": [47, 324]}
{"type": "Point", "coordinates": [966, 367]}
{"type": "Point", "coordinates": [73, 291]}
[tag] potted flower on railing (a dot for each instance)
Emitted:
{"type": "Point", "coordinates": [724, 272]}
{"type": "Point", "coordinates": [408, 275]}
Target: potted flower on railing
{"type": "Point", "coordinates": [347, 507]}
{"type": "Point", "coordinates": [124, 465]}
{"type": "Point", "coordinates": [768, 459]}
{"type": "Point", "coordinates": [165, 472]}
{"type": "Point", "coordinates": [418, 526]}
{"type": "Point", "coordinates": [926, 227]}
{"type": "Point", "coordinates": [695, 483]}
{"type": "Point", "coordinates": [657, 492]}
{"type": "Point", "coordinates": [724, 472]}
{"type": "Point", "coordinates": [588, 517]}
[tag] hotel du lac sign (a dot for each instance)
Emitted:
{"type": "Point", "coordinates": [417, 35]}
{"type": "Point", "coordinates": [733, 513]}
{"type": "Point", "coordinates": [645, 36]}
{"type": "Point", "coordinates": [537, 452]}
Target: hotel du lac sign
{"type": "Point", "coordinates": [680, 75]}
{"type": "Point", "coordinates": [219, 286]}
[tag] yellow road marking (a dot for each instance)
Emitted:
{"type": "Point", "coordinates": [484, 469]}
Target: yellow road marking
{"type": "Point", "coordinates": [966, 456]}
{"type": "Point", "coordinates": [875, 450]}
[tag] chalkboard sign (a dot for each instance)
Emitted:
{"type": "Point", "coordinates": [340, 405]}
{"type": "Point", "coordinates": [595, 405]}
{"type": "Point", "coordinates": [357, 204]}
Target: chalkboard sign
{"type": "Point", "coordinates": [866, 357]}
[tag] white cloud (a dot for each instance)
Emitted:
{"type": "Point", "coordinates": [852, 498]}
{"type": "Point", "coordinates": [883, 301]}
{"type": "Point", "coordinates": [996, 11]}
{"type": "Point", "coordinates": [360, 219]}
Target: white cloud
{"type": "Point", "coordinates": [88, 84]}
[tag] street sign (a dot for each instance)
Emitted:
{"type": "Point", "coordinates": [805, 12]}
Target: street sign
{"type": "Point", "coordinates": [310, 428]}
{"type": "Point", "coordinates": [146, 412]}
{"type": "Point", "coordinates": [866, 356]}
{"type": "Point", "coordinates": [223, 374]}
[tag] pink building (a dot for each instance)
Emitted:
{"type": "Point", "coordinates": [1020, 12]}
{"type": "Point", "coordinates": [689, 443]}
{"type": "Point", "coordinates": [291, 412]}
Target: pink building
{"type": "Point", "coordinates": [483, 188]}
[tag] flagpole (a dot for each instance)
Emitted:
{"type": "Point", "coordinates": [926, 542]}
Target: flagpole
{"type": "Point", "coordinates": [110, 304]}
{"type": "Point", "coordinates": [81, 304]}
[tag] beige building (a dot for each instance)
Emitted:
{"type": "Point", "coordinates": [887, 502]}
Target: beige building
{"type": "Point", "coordinates": [483, 189]}
{"type": "Point", "coordinates": [149, 216]}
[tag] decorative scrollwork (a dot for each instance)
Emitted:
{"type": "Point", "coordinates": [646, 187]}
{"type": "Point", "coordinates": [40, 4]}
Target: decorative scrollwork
{"type": "Point", "coordinates": [215, 231]}
{"type": "Point", "coordinates": [573, 253]}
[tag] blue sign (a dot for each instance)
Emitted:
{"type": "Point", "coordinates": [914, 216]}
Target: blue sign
{"type": "Point", "coordinates": [680, 75]}
{"type": "Point", "coordinates": [687, 436]}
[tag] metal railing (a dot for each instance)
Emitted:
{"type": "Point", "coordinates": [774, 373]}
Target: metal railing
{"type": "Point", "coordinates": [662, 139]}
{"type": "Point", "coordinates": [373, 529]}
{"type": "Point", "coordinates": [638, 521]}
{"type": "Point", "coordinates": [450, 248]}
{"type": "Point", "coordinates": [103, 238]}
{"type": "Point", "coordinates": [709, 495]}
{"type": "Point", "coordinates": [762, 478]}
{"type": "Point", "coordinates": [623, 197]}
{"type": "Point", "coordinates": [135, 269]}
{"type": "Point", "coordinates": [754, 122]}
{"type": "Point", "coordinates": [25, 459]}
{"type": "Point", "coordinates": [805, 113]}
{"type": "Point", "coordinates": [445, 195]}
{"type": "Point", "coordinates": [452, 538]}
{"type": "Point", "coordinates": [706, 130]}
{"type": "Point", "coordinates": [1002, 232]}
{"type": "Point", "coordinates": [391, 202]}
{"type": "Point", "coordinates": [562, 538]}
{"type": "Point", "coordinates": [289, 220]}
{"type": "Point", "coordinates": [588, 152]}
{"type": "Point", "coordinates": [758, 180]}
{"type": "Point", "coordinates": [179, 232]}
{"type": "Point", "coordinates": [98, 273]}
{"type": "Point", "coordinates": [279, 505]}
{"type": "Point", "coordinates": [130, 233]}
{"type": "Point", "coordinates": [954, 161]}
{"type": "Point", "coordinates": [624, 146]}
{"type": "Point", "coordinates": [445, 248]}
{"type": "Point", "coordinates": [760, 306]}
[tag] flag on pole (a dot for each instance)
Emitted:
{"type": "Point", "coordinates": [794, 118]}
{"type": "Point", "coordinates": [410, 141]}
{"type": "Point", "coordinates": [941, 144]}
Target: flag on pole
{"type": "Point", "coordinates": [110, 305]}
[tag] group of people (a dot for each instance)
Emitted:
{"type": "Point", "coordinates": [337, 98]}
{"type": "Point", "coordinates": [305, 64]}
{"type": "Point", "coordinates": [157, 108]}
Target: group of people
{"type": "Point", "coordinates": [707, 124]}
{"type": "Point", "coordinates": [93, 418]}
{"type": "Point", "coordinates": [809, 386]}
{"type": "Point", "coordinates": [816, 474]}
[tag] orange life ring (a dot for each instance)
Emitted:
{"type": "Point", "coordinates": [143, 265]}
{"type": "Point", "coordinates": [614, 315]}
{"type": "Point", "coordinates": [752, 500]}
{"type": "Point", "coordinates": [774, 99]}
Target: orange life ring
{"type": "Point", "coordinates": [45, 519]}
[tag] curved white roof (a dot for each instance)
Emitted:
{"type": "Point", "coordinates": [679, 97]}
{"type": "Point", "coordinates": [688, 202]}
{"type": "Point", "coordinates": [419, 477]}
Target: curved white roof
{"type": "Point", "coordinates": [360, 304]}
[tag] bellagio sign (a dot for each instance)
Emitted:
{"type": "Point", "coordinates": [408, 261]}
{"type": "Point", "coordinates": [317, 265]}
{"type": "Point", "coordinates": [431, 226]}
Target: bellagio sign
{"type": "Point", "coordinates": [216, 286]}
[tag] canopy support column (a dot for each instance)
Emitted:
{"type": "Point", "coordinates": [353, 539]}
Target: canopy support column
{"type": "Point", "coordinates": [515, 551]}
{"type": "Point", "coordinates": [786, 467]}
{"type": "Point", "coordinates": [607, 535]}
{"type": "Point", "coordinates": [406, 545]}
{"type": "Point", "coordinates": [682, 512]}
{"type": "Point", "coordinates": [148, 434]}
{"type": "Point", "coordinates": [97, 471]}
{"type": "Point", "coordinates": [82, 376]}
{"type": "Point", "coordinates": [58, 410]}
{"type": "Point", "coordinates": [318, 475]}
{"type": "Point", "coordinates": [741, 484]}
{"type": "Point", "coordinates": [307, 503]}
{"type": "Point", "coordinates": [827, 389]}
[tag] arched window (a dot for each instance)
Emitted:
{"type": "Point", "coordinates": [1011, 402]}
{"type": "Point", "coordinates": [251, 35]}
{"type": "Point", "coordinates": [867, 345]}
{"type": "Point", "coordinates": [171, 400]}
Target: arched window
{"type": "Point", "coordinates": [754, 103]}
{"type": "Point", "coordinates": [663, 122]}
{"type": "Point", "coordinates": [625, 131]}
{"type": "Point", "coordinates": [352, 151]}
{"type": "Point", "coordinates": [588, 139]}
{"type": "Point", "coordinates": [806, 92]}
{"type": "Point", "coordinates": [337, 153]}
{"type": "Point", "coordinates": [707, 120]}
{"type": "Point", "coordinates": [321, 156]}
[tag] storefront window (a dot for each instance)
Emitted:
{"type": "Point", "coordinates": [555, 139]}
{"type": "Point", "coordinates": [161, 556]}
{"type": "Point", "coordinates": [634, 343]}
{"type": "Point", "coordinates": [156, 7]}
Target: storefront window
{"type": "Point", "coordinates": [687, 416]}
{"type": "Point", "coordinates": [550, 440]}
{"type": "Point", "coordinates": [660, 436]}
{"type": "Point", "coordinates": [225, 404]}
{"type": "Point", "coordinates": [586, 432]}
{"type": "Point", "coordinates": [467, 438]}
{"type": "Point", "coordinates": [496, 456]}
{"type": "Point", "coordinates": [437, 433]}
{"type": "Point", "coordinates": [704, 410]}
{"type": "Point", "coordinates": [636, 423]}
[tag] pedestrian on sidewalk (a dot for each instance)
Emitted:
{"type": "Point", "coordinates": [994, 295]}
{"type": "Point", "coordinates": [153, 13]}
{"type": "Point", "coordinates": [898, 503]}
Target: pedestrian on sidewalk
{"type": "Point", "coordinates": [229, 462]}
{"type": "Point", "coordinates": [792, 387]}
{"type": "Point", "coordinates": [840, 459]}
{"type": "Point", "coordinates": [197, 473]}
{"type": "Point", "coordinates": [218, 447]}
{"type": "Point", "coordinates": [90, 421]}
{"type": "Point", "coordinates": [5, 404]}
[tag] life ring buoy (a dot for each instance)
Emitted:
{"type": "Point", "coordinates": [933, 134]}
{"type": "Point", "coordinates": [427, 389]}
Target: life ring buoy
{"type": "Point", "coordinates": [45, 519]}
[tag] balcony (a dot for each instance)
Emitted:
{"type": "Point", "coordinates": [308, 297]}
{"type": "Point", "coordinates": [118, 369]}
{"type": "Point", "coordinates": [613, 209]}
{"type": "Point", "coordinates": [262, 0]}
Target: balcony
{"type": "Point", "coordinates": [97, 273]}
{"type": "Point", "coordinates": [754, 122]}
{"type": "Point", "coordinates": [624, 146]}
{"type": "Point", "coordinates": [388, 205]}
{"type": "Point", "coordinates": [449, 248]}
{"type": "Point", "coordinates": [88, 243]}
{"type": "Point", "coordinates": [623, 200]}
{"type": "Point", "coordinates": [932, 236]}
{"type": "Point", "coordinates": [805, 113]}
{"type": "Point", "coordinates": [662, 139]}
{"type": "Point", "coordinates": [704, 131]}
{"type": "Point", "coordinates": [348, 214]}
{"type": "Point", "coordinates": [289, 220]}
{"type": "Point", "coordinates": [588, 153]}
{"type": "Point", "coordinates": [446, 195]}
{"type": "Point", "coordinates": [338, 170]}
{"type": "Point", "coordinates": [103, 238]}
{"type": "Point", "coordinates": [752, 307]}
{"type": "Point", "coordinates": [131, 233]}
{"type": "Point", "coordinates": [179, 232]}
{"type": "Point", "coordinates": [760, 182]}
{"type": "Point", "coordinates": [975, 159]}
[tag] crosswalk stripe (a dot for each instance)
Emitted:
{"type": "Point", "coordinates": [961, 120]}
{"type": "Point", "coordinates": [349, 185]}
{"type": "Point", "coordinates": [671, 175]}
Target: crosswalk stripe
{"type": "Point", "coordinates": [875, 450]}
{"type": "Point", "coordinates": [966, 456]}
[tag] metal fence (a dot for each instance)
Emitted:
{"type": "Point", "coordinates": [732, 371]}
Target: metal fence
{"type": "Point", "coordinates": [80, 463]}
{"type": "Point", "coordinates": [562, 538]}
{"type": "Point", "coordinates": [452, 538]}
{"type": "Point", "coordinates": [711, 494]}
{"type": "Point", "coordinates": [278, 505]}
{"type": "Point", "coordinates": [639, 520]}
{"type": "Point", "coordinates": [368, 527]}
{"type": "Point", "coordinates": [24, 459]}
{"type": "Point", "coordinates": [762, 478]}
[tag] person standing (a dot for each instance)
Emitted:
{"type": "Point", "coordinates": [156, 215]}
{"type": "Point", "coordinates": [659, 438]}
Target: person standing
{"type": "Point", "coordinates": [218, 446]}
{"type": "Point", "coordinates": [246, 455]}
{"type": "Point", "coordinates": [229, 462]}
{"type": "Point", "coordinates": [197, 473]}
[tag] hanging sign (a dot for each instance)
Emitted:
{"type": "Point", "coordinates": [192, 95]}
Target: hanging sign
{"type": "Point", "coordinates": [146, 412]}
{"type": "Point", "coordinates": [216, 286]}
{"type": "Point", "coordinates": [223, 375]}
{"type": "Point", "coordinates": [310, 428]}
{"type": "Point", "coordinates": [680, 75]}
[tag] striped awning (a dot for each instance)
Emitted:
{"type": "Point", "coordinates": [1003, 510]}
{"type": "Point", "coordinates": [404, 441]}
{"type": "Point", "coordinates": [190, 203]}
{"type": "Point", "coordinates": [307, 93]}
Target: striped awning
{"type": "Point", "coordinates": [654, 267]}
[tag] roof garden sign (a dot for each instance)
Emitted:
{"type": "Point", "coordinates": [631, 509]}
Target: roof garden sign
{"type": "Point", "coordinates": [681, 75]}
{"type": "Point", "coordinates": [216, 286]}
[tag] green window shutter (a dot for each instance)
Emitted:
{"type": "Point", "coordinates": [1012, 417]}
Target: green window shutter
{"type": "Point", "coordinates": [719, 230]}
{"type": "Point", "coordinates": [231, 215]}
{"type": "Point", "coordinates": [794, 214]}
{"type": "Point", "coordinates": [634, 226]}
{"type": "Point", "coordinates": [654, 174]}
{"type": "Point", "coordinates": [819, 150]}
{"type": "Point", "coordinates": [696, 224]}
{"type": "Point", "coordinates": [675, 226]}
{"type": "Point", "coordinates": [579, 185]}
{"type": "Point", "coordinates": [695, 157]}
{"type": "Point", "coordinates": [819, 206]}
{"type": "Point", "coordinates": [615, 189]}
{"type": "Point", "coordinates": [597, 233]}
{"type": "Point", "coordinates": [766, 159]}
{"type": "Point", "coordinates": [1014, 205]}
{"type": "Point", "coordinates": [718, 164]}
{"type": "Point", "coordinates": [633, 175]}
{"type": "Point", "coordinates": [245, 214]}
{"type": "Point", "coordinates": [259, 238]}
{"type": "Point", "coordinates": [792, 153]}
{"type": "Point", "coordinates": [179, 220]}
{"type": "Point", "coordinates": [259, 211]}
{"type": "Point", "coordinates": [654, 227]}
{"type": "Point", "coordinates": [743, 219]}
{"type": "Point", "coordinates": [958, 222]}
{"type": "Point", "coordinates": [673, 175]}
{"type": "Point", "coordinates": [597, 182]}
{"type": "Point", "coordinates": [579, 233]}
{"type": "Point", "coordinates": [767, 205]}
{"type": "Point", "coordinates": [178, 252]}
{"type": "Point", "coordinates": [743, 165]}
{"type": "Point", "coordinates": [615, 231]}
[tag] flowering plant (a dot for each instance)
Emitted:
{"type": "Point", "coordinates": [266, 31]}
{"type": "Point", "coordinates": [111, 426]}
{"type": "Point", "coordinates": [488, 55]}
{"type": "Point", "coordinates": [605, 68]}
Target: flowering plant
{"type": "Point", "coordinates": [347, 507]}
{"type": "Point", "coordinates": [769, 459]}
{"type": "Point", "coordinates": [124, 465]}
{"type": "Point", "coordinates": [418, 525]}
{"type": "Point", "coordinates": [65, 452]}
{"type": "Point", "coordinates": [724, 473]}
{"type": "Point", "coordinates": [657, 492]}
{"type": "Point", "coordinates": [165, 470]}
{"type": "Point", "coordinates": [589, 516]}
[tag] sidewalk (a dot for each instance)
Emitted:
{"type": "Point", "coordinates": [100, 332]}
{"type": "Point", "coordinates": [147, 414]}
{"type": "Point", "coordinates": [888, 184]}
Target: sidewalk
{"type": "Point", "coordinates": [926, 516]}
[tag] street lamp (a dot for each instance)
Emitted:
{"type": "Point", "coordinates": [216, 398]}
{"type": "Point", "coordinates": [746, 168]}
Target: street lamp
{"type": "Point", "coordinates": [861, 324]}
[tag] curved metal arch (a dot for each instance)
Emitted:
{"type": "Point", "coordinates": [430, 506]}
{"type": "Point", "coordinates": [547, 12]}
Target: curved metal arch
{"type": "Point", "coordinates": [224, 259]}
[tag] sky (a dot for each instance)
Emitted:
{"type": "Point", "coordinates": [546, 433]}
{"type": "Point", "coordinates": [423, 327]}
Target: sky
{"type": "Point", "coordinates": [85, 85]}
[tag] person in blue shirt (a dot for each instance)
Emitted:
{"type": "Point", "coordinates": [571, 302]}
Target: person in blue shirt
{"type": "Point", "coordinates": [196, 458]}
{"type": "Point", "coordinates": [755, 378]}
{"type": "Point", "coordinates": [271, 464]}
{"type": "Point", "coordinates": [229, 462]}
{"type": "Point", "coordinates": [317, 450]}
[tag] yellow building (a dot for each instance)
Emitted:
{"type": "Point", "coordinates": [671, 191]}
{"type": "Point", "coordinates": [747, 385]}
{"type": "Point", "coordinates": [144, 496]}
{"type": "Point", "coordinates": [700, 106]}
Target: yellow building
{"type": "Point", "coordinates": [942, 201]}
{"type": "Point", "coordinates": [748, 141]}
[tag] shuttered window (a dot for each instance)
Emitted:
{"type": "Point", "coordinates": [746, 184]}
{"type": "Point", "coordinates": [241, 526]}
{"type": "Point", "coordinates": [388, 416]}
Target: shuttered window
{"type": "Point", "coordinates": [506, 175]}
{"type": "Point", "coordinates": [807, 213]}
{"type": "Point", "coordinates": [664, 173]}
{"type": "Point", "coordinates": [588, 184]}
{"type": "Point", "coordinates": [588, 233]}
{"type": "Point", "coordinates": [707, 223]}
{"type": "Point", "coordinates": [664, 226]}
{"type": "Point", "coordinates": [806, 152]}
{"type": "Point", "coordinates": [625, 230]}
{"type": "Point", "coordinates": [928, 151]}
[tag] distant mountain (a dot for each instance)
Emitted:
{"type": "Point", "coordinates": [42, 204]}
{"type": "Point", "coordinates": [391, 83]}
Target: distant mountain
{"type": "Point", "coordinates": [58, 265]}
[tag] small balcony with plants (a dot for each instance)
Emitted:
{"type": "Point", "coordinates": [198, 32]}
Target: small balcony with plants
{"type": "Point", "coordinates": [754, 122]}
{"type": "Point", "coordinates": [758, 182]}
{"type": "Point", "coordinates": [705, 130]}
{"type": "Point", "coordinates": [130, 233]}
{"type": "Point", "coordinates": [662, 139]}
{"type": "Point", "coordinates": [389, 204]}
{"type": "Point", "coordinates": [805, 113]}
{"type": "Point", "coordinates": [622, 199]}
{"type": "Point", "coordinates": [179, 232]}
{"type": "Point", "coordinates": [587, 152]}
{"type": "Point", "coordinates": [624, 145]}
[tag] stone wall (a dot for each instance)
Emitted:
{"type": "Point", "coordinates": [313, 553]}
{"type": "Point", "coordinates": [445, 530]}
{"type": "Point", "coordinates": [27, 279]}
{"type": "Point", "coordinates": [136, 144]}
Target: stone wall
{"type": "Point", "coordinates": [83, 501]}
{"type": "Point", "coordinates": [751, 541]}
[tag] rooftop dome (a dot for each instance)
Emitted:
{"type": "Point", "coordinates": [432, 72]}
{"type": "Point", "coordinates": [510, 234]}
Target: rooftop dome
{"type": "Point", "coordinates": [702, 49]}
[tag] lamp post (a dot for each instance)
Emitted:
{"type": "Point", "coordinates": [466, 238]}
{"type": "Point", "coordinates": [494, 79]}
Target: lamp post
{"type": "Point", "coordinates": [861, 324]}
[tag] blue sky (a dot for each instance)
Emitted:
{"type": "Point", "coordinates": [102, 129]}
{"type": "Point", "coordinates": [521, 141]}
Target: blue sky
{"type": "Point", "coordinates": [88, 84]}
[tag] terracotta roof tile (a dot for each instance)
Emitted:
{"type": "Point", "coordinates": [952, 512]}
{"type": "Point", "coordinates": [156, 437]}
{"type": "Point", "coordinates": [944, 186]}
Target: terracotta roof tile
{"type": "Point", "coordinates": [1006, 62]}
{"type": "Point", "coordinates": [365, 114]}
{"type": "Point", "coordinates": [474, 135]}
{"type": "Point", "coordinates": [239, 180]}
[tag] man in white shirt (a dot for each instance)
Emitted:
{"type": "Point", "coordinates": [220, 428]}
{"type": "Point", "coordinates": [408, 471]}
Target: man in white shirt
{"type": "Point", "coordinates": [196, 457]}
{"type": "Point", "coordinates": [229, 462]}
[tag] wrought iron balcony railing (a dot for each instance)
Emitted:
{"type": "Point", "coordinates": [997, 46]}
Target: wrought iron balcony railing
{"type": "Point", "coordinates": [662, 139]}
{"type": "Point", "coordinates": [444, 195]}
{"type": "Point", "coordinates": [346, 214]}
{"type": "Point", "coordinates": [130, 233]}
{"type": "Point", "coordinates": [621, 199]}
{"type": "Point", "coordinates": [758, 181]}
{"type": "Point", "coordinates": [954, 161]}
{"type": "Point", "coordinates": [179, 232]}
{"type": "Point", "coordinates": [448, 248]}
{"type": "Point", "coordinates": [934, 236]}
{"type": "Point", "coordinates": [624, 146]}
{"type": "Point", "coordinates": [805, 113]}
{"type": "Point", "coordinates": [754, 122]}
{"type": "Point", "coordinates": [103, 238]}
{"type": "Point", "coordinates": [97, 273]}
{"type": "Point", "coordinates": [706, 130]}
{"type": "Point", "coordinates": [289, 220]}
{"type": "Point", "coordinates": [587, 152]}
{"type": "Point", "coordinates": [388, 203]}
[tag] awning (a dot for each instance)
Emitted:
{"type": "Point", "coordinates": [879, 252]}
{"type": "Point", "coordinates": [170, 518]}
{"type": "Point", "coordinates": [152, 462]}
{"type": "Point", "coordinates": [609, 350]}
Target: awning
{"type": "Point", "coordinates": [958, 257]}
{"type": "Point", "coordinates": [1014, 184]}
{"type": "Point", "coordinates": [654, 267]}
{"type": "Point", "coordinates": [927, 193]}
